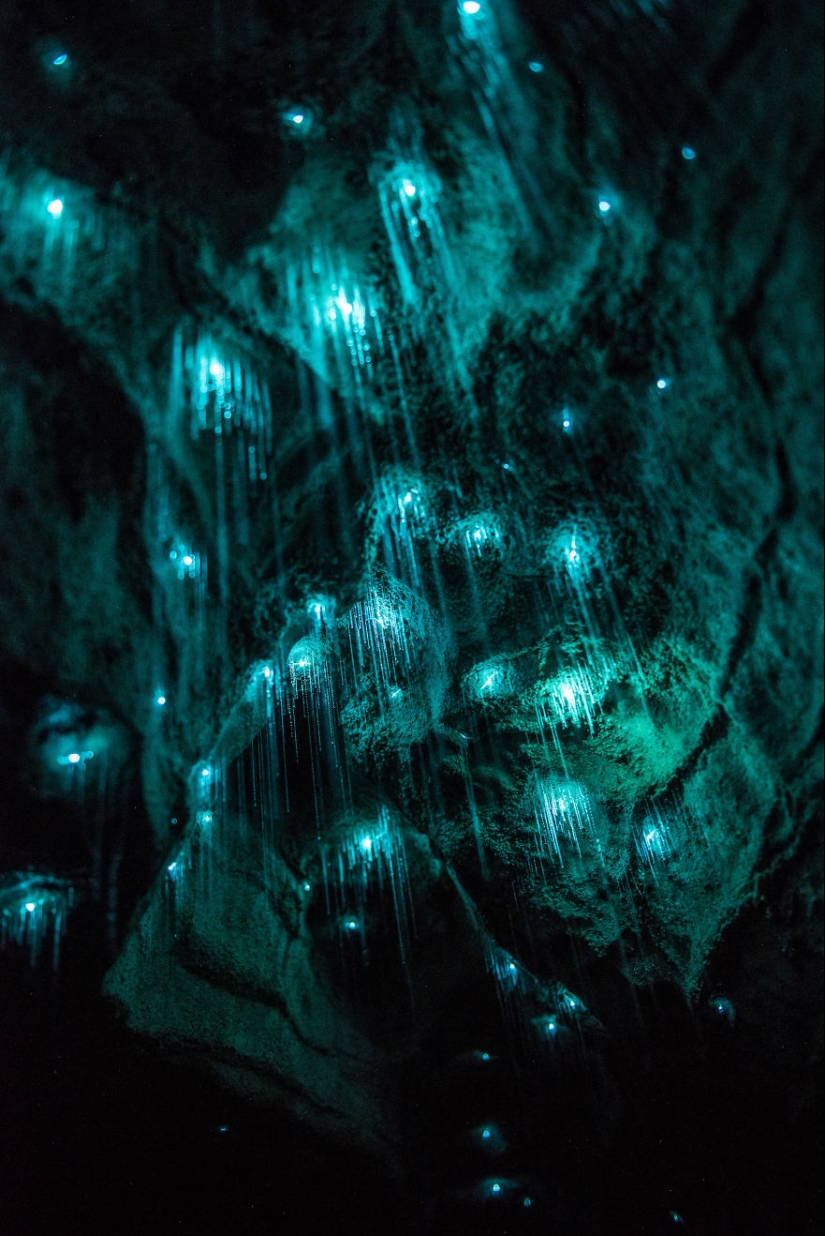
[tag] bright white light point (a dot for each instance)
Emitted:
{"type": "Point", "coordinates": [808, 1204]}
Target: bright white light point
{"type": "Point", "coordinates": [297, 118]}
{"type": "Point", "coordinates": [30, 906]}
{"type": "Point", "coordinates": [566, 424]}
{"type": "Point", "coordinates": [485, 1133]}
{"type": "Point", "coordinates": [216, 369]}
{"type": "Point", "coordinates": [74, 758]}
{"type": "Point", "coordinates": [535, 66]}
{"type": "Point", "coordinates": [171, 867]}
{"type": "Point", "coordinates": [267, 672]}
{"type": "Point", "coordinates": [61, 59]}
{"type": "Point", "coordinates": [409, 188]}
{"type": "Point", "coordinates": [662, 384]}
{"type": "Point", "coordinates": [55, 207]}
{"type": "Point", "coordinates": [307, 886]}
{"type": "Point", "coordinates": [604, 206]}
{"type": "Point", "coordinates": [471, 7]}
{"type": "Point", "coordinates": [204, 772]}
{"type": "Point", "coordinates": [407, 499]}
{"type": "Point", "coordinates": [352, 924]}
{"type": "Point", "coordinates": [161, 700]}
{"type": "Point", "coordinates": [496, 1188]}
{"type": "Point", "coordinates": [512, 965]}
{"type": "Point", "coordinates": [188, 560]}
{"type": "Point", "coordinates": [569, 695]}
{"type": "Point", "coordinates": [366, 844]}
{"type": "Point", "coordinates": [688, 153]}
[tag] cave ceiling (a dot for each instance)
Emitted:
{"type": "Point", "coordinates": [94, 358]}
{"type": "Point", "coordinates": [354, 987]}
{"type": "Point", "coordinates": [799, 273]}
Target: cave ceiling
{"type": "Point", "coordinates": [412, 530]}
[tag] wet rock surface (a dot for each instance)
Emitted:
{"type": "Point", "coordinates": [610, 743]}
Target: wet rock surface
{"type": "Point", "coordinates": [411, 603]}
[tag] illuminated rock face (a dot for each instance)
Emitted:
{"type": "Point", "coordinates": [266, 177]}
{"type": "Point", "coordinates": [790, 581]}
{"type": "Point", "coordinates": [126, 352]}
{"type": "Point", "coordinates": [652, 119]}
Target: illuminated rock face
{"type": "Point", "coordinates": [406, 444]}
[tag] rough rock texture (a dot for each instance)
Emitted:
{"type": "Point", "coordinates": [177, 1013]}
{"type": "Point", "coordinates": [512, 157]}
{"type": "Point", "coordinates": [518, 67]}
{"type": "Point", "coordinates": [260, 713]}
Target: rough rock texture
{"type": "Point", "coordinates": [439, 438]}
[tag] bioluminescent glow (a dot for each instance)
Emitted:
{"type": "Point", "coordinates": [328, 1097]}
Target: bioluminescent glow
{"type": "Point", "coordinates": [564, 815]}
{"type": "Point", "coordinates": [490, 681]}
{"type": "Point", "coordinates": [722, 1007]}
{"type": "Point", "coordinates": [409, 188]}
{"type": "Point", "coordinates": [605, 206]}
{"type": "Point", "coordinates": [535, 66]}
{"type": "Point", "coordinates": [370, 864]}
{"type": "Point", "coordinates": [574, 698]}
{"type": "Point", "coordinates": [55, 207]}
{"type": "Point", "coordinates": [481, 535]}
{"type": "Point", "coordinates": [573, 554]}
{"type": "Point", "coordinates": [160, 701]}
{"type": "Point", "coordinates": [33, 909]}
{"type": "Point", "coordinates": [654, 844]}
{"type": "Point", "coordinates": [662, 384]}
{"type": "Point", "coordinates": [307, 664]}
{"type": "Point", "coordinates": [688, 153]}
{"type": "Point", "coordinates": [297, 118]}
{"type": "Point", "coordinates": [60, 60]}
{"type": "Point", "coordinates": [471, 7]}
{"type": "Point", "coordinates": [75, 758]}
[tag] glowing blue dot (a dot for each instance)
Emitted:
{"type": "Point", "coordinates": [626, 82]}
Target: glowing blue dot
{"type": "Point", "coordinates": [224, 1128]}
{"type": "Point", "coordinates": [30, 906]}
{"type": "Point", "coordinates": [160, 701]}
{"type": "Point", "coordinates": [216, 369]}
{"type": "Point", "coordinates": [662, 384]}
{"type": "Point", "coordinates": [55, 207]}
{"type": "Point", "coordinates": [565, 424]}
{"type": "Point", "coordinates": [366, 844]}
{"type": "Point", "coordinates": [171, 867]}
{"type": "Point", "coordinates": [352, 924]}
{"type": "Point", "coordinates": [535, 66]}
{"type": "Point", "coordinates": [61, 59]}
{"type": "Point", "coordinates": [471, 7]}
{"type": "Point", "coordinates": [528, 1201]}
{"type": "Point", "coordinates": [485, 1133]}
{"type": "Point", "coordinates": [297, 118]}
{"type": "Point", "coordinates": [409, 188]}
{"type": "Point", "coordinates": [188, 560]}
{"type": "Point", "coordinates": [485, 1055]}
{"type": "Point", "coordinates": [496, 1188]}
{"type": "Point", "coordinates": [307, 886]}
{"type": "Point", "coordinates": [605, 206]}
{"type": "Point", "coordinates": [74, 758]}
{"type": "Point", "coordinates": [688, 153]}
{"type": "Point", "coordinates": [205, 772]}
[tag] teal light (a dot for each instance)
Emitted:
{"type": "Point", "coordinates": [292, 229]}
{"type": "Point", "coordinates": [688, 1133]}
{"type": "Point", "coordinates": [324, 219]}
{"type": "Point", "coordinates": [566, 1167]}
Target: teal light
{"type": "Point", "coordinates": [688, 153]}
{"type": "Point", "coordinates": [605, 206]}
{"type": "Point", "coordinates": [535, 66]}
{"type": "Point", "coordinates": [55, 207]}
{"type": "Point", "coordinates": [60, 60]}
